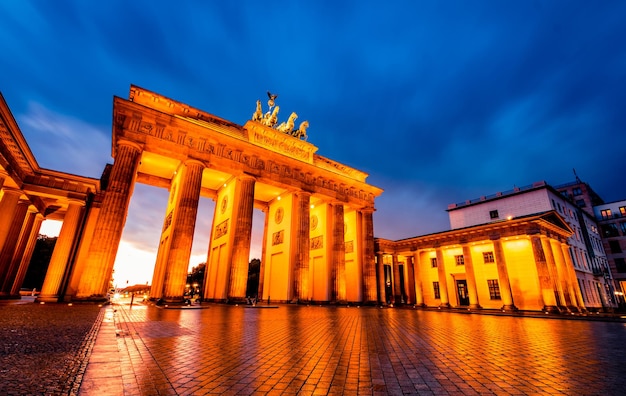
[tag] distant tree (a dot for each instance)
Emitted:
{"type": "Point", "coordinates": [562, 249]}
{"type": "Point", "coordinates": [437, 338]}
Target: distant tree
{"type": "Point", "coordinates": [254, 269]}
{"type": "Point", "coordinates": [196, 275]}
{"type": "Point", "coordinates": [39, 262]}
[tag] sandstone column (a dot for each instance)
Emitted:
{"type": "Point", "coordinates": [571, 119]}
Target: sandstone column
{"type": "Point", "coordinates": [443, 280]}
{"type": "Point", "coordinates": [382, 297]}
{"type": "Point", "coordinates": [503, 275]}
{"type": "Point", "coordinates": [7, 276]}
{"type": "Point", "coordinates": [565, 275]}
{"type": "Point", "coordinates": [300, 227]}
{"type": "Point", "coordinates": [24, 258]}
{"type": "Point", "coordinates": [183, 227]}
{"type": "Point", "coordinates": [472, 290]}
{"type": "Point", "coordinates": [574, 280]}
{"type": "Point", "coordinates": [338, 259]}
{"type": "Point", "coordinates": [18, 253]}
{"type": "Point", "coordinates": [546, 282]}
{"type": "Point", "coordinates": [395, 285]}
{"type": "Point", "coordinates": [410, 271]}
{"type": "Point", "coordinates": [62, 249]}
{"type": "Point", "coordinates": [419, 291]}
{"type": "Point", "coordinates": [8, 205]}
{"type": "Point", "coordinates": [111, 220]}
{"type": "Point", "coordinates": [370, 294]}
{"type": "Point", "coordinates": [557, 287]}
{"type": "Point", "coordinates": [244, 208]}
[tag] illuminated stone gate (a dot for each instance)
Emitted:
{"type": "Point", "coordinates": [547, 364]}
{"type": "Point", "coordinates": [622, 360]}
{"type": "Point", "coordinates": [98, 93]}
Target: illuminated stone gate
{"type": "Point", "coordinates": [318, 240]}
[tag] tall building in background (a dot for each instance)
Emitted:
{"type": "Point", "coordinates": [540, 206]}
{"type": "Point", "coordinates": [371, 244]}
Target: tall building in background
{"type": "Point", "coordinates": [611, 218]}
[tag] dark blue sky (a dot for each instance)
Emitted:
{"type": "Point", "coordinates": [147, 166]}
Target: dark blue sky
{"type": "Point", "coordinates": [439, 101]}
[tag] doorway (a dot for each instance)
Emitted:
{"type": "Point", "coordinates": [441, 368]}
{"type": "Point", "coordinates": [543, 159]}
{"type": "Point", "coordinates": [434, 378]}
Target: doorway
{"type": "Point", "coordinates": [461, 289]}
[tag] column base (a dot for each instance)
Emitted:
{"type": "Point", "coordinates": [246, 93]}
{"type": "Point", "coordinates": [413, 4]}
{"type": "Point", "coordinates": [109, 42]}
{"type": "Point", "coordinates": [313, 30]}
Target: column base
{"type": "Point", "coordinates": [551, 309]}
{"type": "Point", "coordinates": [47, 299]}
{"type": "Point", "coordinates": [444, 305]}
{"type": "Point", "coordinates": [475, 307]}
{"type": "Point", "coordinates": [509, 308]}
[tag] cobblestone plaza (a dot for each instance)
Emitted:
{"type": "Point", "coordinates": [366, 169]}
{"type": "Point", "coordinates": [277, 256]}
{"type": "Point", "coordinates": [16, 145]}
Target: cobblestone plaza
{"type": "Point", "coordinates": [227, 349]}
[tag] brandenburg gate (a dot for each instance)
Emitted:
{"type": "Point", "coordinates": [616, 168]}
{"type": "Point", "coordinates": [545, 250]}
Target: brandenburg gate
{"type": "Point", "coordinates": [318, 242]}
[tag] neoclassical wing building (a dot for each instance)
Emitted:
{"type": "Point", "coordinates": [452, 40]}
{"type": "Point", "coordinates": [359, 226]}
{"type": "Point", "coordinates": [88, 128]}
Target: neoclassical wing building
{"type": "Point", "coordinates": [318, 232]}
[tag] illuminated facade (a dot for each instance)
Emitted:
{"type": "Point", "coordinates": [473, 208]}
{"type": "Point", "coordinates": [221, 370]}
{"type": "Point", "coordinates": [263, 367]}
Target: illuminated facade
{"type": "Point", "coordinates": [531, 248]}
{"type": "Point", "coordinates": [30, 194]}
{"type": "Point", "coordinates": [318, 237]}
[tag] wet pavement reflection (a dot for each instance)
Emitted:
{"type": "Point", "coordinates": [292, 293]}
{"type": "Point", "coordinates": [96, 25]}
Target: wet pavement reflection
{"type": "Point", "coordinates": [350, 350]}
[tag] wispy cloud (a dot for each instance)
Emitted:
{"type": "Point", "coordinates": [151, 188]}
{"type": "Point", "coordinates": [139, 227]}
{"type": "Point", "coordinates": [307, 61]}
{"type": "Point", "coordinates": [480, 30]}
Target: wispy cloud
{"type": "Point", "coordinates": [65, 143]}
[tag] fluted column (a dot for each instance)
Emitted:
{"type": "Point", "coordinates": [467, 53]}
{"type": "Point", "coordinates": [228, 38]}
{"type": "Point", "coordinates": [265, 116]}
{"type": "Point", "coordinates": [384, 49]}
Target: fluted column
{"type": "Point", "coordinates": [470, 276]}
{"type": "Point", "coordinates": [242, 238]}
{"type": "Point", "coordinates": [395, 285]}
{"type": "Point", "coordinates": [24, 258]}
{"type": "Point", "coordinates": [443, 280]}
{"type": "Point", "coordinates": [111, 220]}
{"type": "Point", "coordinates": [10, 278]}
{"type": "Point", "coordinates": [302, 245]}
{"type": "Point", "coordinates": [381, 279]}
{"type": "Point", "coordinates": [183, 227]}
{"type": "Point", "coordinates": [410, 280]}
{"type": "Point", "coordinates": [503, 275]}
{"type": "Point", "coordinates": [3, 176]}
{"type": "Point", "coordinates": [61, 254]}
{"type": "Point", "coordinates": [553, 271]}
{"type": "Point", "coordinates": [7, 275]}
{"type": "Point", "coordinates": [546, 282]}
{"type": "Point", "coordinates": [574, 280]}
{"type": "Point", "coordinates": [419, 291]}
{"type": "Point", "coordinates": [8, 204]}
{"type": "Point", "coordinates": [370, 294]}
{"type": "Point", "coordinates": [338, 260]}
{"type": "Point", "coordinates": [564, 273]}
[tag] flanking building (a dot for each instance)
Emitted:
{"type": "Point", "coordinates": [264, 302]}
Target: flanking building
{"type": "Point", "coordinates": [531, 248]}
{"type": "Point", "coordinates": [611, 218]}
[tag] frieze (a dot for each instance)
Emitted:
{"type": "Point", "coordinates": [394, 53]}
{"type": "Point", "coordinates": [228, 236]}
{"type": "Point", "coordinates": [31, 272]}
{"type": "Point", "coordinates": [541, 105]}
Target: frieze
{"type": "Point", "coordinates": [274, 140]}
{"type": "Point", "coordinates": [221, 229]}
{"type": "Point", "coordinates": [277, 237]}
{"type": "Point", "coordinates": [167, 222]}
{"type": "Point", "coordinates": [317, 242]}
{"type": "Point", "coordinates": [349, 246]}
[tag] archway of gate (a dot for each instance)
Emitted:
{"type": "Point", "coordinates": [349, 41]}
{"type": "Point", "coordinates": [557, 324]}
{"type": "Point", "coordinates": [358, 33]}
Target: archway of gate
{"type": "Point", "coordinates": [318, 229]}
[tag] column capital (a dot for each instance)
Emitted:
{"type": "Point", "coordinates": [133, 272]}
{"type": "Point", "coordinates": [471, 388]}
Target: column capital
{"type": "Point", "coordinates": [193, 161]}
{"type": "Point", "coordinates": [12, 191]}
{"type": "Point", "coordinates": [128, 143]}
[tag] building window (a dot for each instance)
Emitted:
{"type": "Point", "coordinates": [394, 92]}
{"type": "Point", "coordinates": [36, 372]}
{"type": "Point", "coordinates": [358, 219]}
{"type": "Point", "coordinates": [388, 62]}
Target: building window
{"type": "Point", "coordinates": [436, 290]}
{"type": "Point", "coordinates": [622, 226]}
{"type": "Point", "coordinates": [622, 210]}
{"type": "Point", "coordinates": [488, 257]}
{"type": "Point", "coordinates": [609, 230]}
{"type": "Point", "coordinates": [606, 214]}
{"type": "Point", "coordinates": [615, 247]}
{"type": "Point", "coordinates": [580, 203]}
{"type": "Point", "coordinates": [620, 265]}
{"type": "Point", "coordinates": [577, 191]}
{"type": "Point", "coordinates": [433, 262]}
{"type": "Point", "coordinates": [494, 289]}
{"type": "Point", "coordinates": [460, 260]}
{"type": "Point", "coordinates": [493, 214]}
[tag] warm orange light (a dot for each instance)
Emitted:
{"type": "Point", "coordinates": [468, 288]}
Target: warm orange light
{"type": "Point", "coordinates": [312, 206]}
{"type": "Point", "coordinates": [278, 198]}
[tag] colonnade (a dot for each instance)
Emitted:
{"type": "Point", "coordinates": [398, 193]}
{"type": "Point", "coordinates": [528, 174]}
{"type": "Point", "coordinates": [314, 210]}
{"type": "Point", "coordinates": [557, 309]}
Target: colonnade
{"type": "Point", "coordinates": [18, 235]}
{"type": "Point", "coordinates": [555, 275]}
